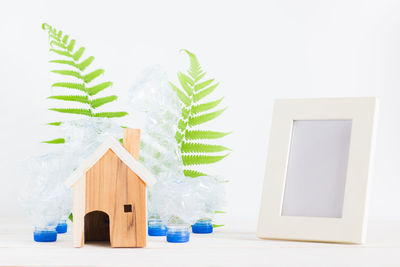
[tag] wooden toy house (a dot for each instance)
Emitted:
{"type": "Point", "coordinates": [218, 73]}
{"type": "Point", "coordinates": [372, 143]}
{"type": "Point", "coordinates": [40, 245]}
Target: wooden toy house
{"type": "Point", "coordinates": [109, 194]}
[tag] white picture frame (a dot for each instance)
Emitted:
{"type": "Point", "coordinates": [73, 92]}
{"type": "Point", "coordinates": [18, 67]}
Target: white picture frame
{"type": "Point", "coordinates": [346, 220]}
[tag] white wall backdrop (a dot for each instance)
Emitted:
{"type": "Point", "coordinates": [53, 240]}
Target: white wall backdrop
{"type": "Point", "coordinates": [258, 50]}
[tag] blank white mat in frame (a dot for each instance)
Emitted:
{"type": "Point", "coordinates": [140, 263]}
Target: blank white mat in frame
{"type": "Point", "coordinates": [317, 160]}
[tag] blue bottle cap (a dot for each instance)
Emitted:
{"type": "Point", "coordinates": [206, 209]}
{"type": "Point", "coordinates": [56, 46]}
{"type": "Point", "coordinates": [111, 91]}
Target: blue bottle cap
{"type": "Point", "coordinates": [202, 227]}
{"type": "Point", "coordinates": [157, 231]}
{"type": "Point", "coordinates": [178, 235]}
{"type": "Point", "coordinates": [62, 228]}
{"type": "Point", "coordinates": [45, 235]}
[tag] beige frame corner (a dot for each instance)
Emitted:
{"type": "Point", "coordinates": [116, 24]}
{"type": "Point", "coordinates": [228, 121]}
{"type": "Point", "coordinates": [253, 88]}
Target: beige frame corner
{"type": "Point", "coordinates": [351, 228]}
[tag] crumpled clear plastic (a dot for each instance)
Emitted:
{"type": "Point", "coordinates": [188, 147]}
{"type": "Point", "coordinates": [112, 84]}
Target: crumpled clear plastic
{"type": "Point", "coordinates": [45, 198]}
{"type": "Point", "coordinates": [174, 198]}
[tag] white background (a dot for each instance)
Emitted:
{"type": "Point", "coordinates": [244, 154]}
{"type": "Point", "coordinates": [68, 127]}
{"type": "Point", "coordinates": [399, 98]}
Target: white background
{"type": "Point", "coordinates": [258, 50]}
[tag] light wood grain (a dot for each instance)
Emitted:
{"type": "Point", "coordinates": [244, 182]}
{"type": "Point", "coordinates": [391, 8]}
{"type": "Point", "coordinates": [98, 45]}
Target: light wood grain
{"type": "Point", "coordinates": [108, 186]}
{"type": "Point", "coordinates": [78, 211]}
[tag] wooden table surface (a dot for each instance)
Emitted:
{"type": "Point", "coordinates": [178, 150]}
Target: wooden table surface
{"type": "Point", "coordinates": [223, 248]}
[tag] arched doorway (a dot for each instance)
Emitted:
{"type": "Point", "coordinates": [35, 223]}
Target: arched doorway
{"type": "Point", "coordinates": [97, 226]}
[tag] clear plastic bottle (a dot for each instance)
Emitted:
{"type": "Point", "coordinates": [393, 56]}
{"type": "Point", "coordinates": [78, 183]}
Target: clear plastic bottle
{"type": "Point", "coordinates": [45, 234]}
{"type": "Point", "coordinates": [178, 233]}
{"type": "Point", "coordinates": [156, 227]}
{"type": "Point", "coordinates": [62, 227]}
{"type": "Point", "coordinates": [203, 226]}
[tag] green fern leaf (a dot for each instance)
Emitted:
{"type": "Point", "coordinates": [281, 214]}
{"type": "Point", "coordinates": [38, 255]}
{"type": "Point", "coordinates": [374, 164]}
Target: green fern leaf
{"type": "Point", "coordinates": [197, 120]}
{"type": "Point", "coordinates": [203, 84]}
{"type": "Point", "coordinates": [77, 55]}
{"type": "Point", "coordinates": [93, 75]}
{"type": "Point", "coordinates": [97, 88]}
{"type": "Point", "coordinates": [84, 64]}
{"type": "Point", "coordinates": [79, 111]}
{"type": "Point", "coordinates": [68, 73]}
{"type": "Point", "coordinates": [111, 114]}
{"type": "Point", "coordinates": [77, 86]}
{"type": "Point", "coordinates": [95, 103]}
{"type": "Point", "coordinates": [195, 69]}
{"type": "Point", "coordinates": [201, 159]}
{"type": "Point", "coordinates": [182, 125]}
{"type": "Point", "coordinates": [71, 46]}
{"type": "Point", "coordinates": [198, 135]}
{"type": "Point", "coordinates": [201, 148]}
{"type": "Point", "coordinates": [193, 173]}
{"type": "Point", "coordinates": [61, 52]}
{"type": "Point", "coordinates": [58, 44]}
{"type": "Point", "coordinates": [203, 93]}
{"type": "Point", "coordinates": [181, 95]}
{"type": "Point", "coordinates": [179, 137]}
{"type": "Point", "coordinates": [65, 39]}
{"type": "Point", "coordinates": [200, 76]}
{"type": "Point", "coordinates": [57, 123]}
{"type": "Point", "coordinates": [66, 62]}
{"type": "Point", "coordinates": [206, 106]}
{"type": "Point", "coordinates": [74, 98]}
{"type": "Point", "coordinates": [184, 83]}
{"type": "Point", "coordinates": [55, 141]}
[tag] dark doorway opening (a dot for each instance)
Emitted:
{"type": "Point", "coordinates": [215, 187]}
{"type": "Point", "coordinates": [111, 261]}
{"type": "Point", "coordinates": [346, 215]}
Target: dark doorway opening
{"type": "Point", "coordinates": [97, 226]}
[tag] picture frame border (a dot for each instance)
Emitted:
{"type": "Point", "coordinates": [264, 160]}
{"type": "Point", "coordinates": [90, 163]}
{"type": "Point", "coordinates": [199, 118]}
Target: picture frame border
{"type": "Point", "coordinates": [351, 227]}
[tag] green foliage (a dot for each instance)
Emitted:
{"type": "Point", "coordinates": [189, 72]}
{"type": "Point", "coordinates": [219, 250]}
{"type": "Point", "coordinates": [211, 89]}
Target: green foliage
{"type": "Point", "coordinates": [83, 92]}
{"type": "Point", "coordinates": [196, 111]}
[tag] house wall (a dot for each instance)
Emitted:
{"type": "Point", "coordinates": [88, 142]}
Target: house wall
{"type": "Point", "coordinates": [110, 185]}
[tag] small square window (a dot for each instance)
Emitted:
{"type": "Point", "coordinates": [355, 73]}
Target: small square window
{"type": "Point", "coordinates": [127, 208]}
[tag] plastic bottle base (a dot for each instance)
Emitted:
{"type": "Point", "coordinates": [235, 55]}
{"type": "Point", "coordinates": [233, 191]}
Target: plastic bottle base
{"type": "Point", "coordinates": [157, 231]}
{"type": "Point", "coordinates": [45, 236]}
{"type": "Point", "coordinates": [62, 228]}
{"type": "Point", "coordinates": [202, 230]}
{"type": "Point", "coordinates": [178, 238]}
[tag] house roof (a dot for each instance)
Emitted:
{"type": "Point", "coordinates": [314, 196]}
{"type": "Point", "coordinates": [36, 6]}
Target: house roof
{"type": "Point", "coordinates": [111, 143]}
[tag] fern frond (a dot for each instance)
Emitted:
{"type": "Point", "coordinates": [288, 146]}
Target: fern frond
{"type": "Point", "coordinates": [58, 44]}
{"type": "Point", "coordinates": [192, 90]}
{"type": "Point", "coordinates": [79, 111]}
{"type": "Point", "coordinates": [65, 39]}
{"type": "Point", "coordinates": [97, 88]}
{"type": "Point", "coordinates": [117, 114]}
{"type": "Point", "coordinates": [201, 159]}
{"type": "Point", "coordinates": [200, 76]}
{"type": "Point", "coordinates": [205, 92]}
{"type": "Point", "coordinates": [198, 135]}
{"type": "Point", "coordinates": [71, 46]}
{"type": "Point", "coordinates": [201, 148]}
{"type": "Point", "coordinates": [193, 173]}
{"type": "Point", "coordinates": [65, 62]}
{"type": "Point", "coordinates": [181, 95]}
{"type": "Point", "coordinates": [55, 141]}
{"type": "Point", "coordinates": [93, 75]}
{"type": "Point", "coordinates": [203, 84]}
{"type": "Point", "coordinates": [73, 98]}
{"type": "Point", "coordinates": [77, 55]}
{"type": "Point", "coordinates": [68, 73]}
{"type": "Point", "coordinates": [95, 103]}
{"type": "Point", "coordinates": [57, 123]}
{"type": "Point", "coordinates": [61, 52]}
{"type": "Point", "coordinates": [76, 86]}
{"type": "Point", "coordinates": [197, 120]}
{"type": "Point", "coordinates": [195, 69]}
{"type": "Point", "coordinates": [84, 64]}
{"type": "Point", "coordinates": [61, 44]}
{"type": "Point", "coordinates": [206, 106]}
{"type": "Point", "coordinates": [184, 83]}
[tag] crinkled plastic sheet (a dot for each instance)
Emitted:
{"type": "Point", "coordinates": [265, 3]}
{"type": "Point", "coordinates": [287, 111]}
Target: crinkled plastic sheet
{"type": "Point", "coordinates": [174, 198]}
{"type": "Point", "coordinates": [45, 197]}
